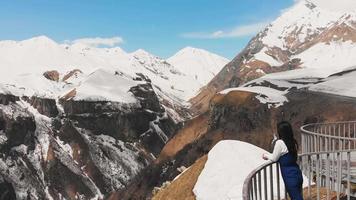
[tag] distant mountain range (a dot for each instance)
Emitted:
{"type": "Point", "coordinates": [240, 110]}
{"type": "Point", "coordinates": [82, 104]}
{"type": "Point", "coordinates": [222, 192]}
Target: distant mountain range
{"type": "Point", "coordinates": [182, 76]}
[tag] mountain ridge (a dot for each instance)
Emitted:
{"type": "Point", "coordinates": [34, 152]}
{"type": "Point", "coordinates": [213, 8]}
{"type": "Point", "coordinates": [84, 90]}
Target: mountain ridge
{"type": "Point", "coordinates": [306, 36]}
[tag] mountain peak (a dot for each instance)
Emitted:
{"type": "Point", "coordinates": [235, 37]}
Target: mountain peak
{"type": "Point", "coordinates": [202, 65]}
{"type": "Point", "coordinates": [141, 52]}
{"type": "Point", "coordinates": [309, 4]}
{"type": "Point", "coordinates": [42, 39]}
{"type": "Point", "coordinates": [193, 50]}
{"type": "Point", "coordinates": [331, 5]}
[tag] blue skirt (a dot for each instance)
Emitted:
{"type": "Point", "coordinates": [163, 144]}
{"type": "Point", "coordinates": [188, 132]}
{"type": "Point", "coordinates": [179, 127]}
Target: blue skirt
{"type": "Point", "coordinates": [292, 176]}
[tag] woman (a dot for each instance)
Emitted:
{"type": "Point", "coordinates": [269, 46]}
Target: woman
{"type": "Point", "coordinates": [285, 152]}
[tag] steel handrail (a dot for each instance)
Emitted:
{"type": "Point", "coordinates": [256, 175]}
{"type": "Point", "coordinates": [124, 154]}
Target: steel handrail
{"type": "Point", "coordinates": [322, 154]}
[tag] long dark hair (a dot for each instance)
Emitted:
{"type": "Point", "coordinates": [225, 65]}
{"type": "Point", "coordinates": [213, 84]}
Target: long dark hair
{"type": "Point", "coordinates": [285, 133]}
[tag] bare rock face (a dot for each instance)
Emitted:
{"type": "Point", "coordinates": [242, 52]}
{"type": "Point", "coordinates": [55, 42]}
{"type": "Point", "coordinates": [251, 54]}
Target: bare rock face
{"type": "Point", "coordinates": [6, 190]}
{"type": "Point", "coordinates": [16, 125]}
{"type": "Point", "coordinates": [70, 74]}
{"type": "Point", "coordinates": [45, 106]}
{"type": "Point", "coordinates": [5, 99]}
{"type": "Point", "coordinates": [52, 75]}
{"type": "Point", "coordinates": [78, 149]}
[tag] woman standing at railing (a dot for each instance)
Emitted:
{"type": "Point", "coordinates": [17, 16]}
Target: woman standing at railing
{"type": "Point", "coordinates": [285, 152]}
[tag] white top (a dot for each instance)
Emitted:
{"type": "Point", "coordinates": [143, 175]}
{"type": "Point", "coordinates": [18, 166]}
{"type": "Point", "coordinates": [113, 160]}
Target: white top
{"type": "Point", "coordinates": [280, 149]}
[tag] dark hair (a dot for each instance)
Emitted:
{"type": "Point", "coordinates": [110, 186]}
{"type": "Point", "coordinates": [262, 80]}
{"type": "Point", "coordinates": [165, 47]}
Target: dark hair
{"type": "Point", "coordinates": [285, 133]}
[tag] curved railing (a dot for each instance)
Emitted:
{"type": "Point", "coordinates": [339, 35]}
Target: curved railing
{"type": "Point", "coordinates": [264, 183]}
{"type": "Point", "coordinates": [326, 162]}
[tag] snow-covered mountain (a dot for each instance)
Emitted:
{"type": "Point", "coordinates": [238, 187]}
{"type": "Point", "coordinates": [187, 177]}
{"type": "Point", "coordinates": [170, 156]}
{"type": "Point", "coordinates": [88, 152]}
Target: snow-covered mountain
{"type": "Point", "coordinates": [320, 35]}
{"type": "Point", "coordinates": [198, 63]}
{"type": "Point", "coordinates": [84, 117]}
{"type": "Point", "coordinates": [314, 35]}
{"type": "Point", "coordinates": [35, 56]}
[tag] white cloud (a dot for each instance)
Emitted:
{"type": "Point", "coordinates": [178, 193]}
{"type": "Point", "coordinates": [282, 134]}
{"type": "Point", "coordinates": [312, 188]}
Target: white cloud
{"type": "Point", "coordinates": [239, 31]}
{"type": "Point", "coordinates": [98, 41]}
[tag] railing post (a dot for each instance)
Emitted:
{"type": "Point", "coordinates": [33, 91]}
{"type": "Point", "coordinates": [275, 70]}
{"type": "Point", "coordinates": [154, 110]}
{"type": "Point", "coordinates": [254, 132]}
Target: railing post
{"type": "Point", "coordinates": [265, 181]}
{"type": "Point", "coordinates": [338, 179]}
{"type": "Point", "coordinates": [278, 184]}
{"type": "Point", "coordinates": [348, 175]}
{"type": "Point", "coordinates": [255, 186]}
{"type": "Point", "coordinates": [309, 175]}
{"type": "Point", "coordinates": [339, 135]}
{"type": "Point", "coordinates": [271, 180]}
{"type": "Point", "coordinates": [349, 140]}
{"type": "Point", "coordinates": [354, 135]}
{"type": "Point", "coordinates": [317, 177]}
{"type": "Point", "coordinates": [259, 185]}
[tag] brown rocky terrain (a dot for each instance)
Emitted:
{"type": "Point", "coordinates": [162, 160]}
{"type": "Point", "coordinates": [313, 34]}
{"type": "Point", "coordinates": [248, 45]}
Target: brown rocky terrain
{"type": "Point", "coordinates": [238, 115]}
{"type": "Point", "coordinates": [182, 187]}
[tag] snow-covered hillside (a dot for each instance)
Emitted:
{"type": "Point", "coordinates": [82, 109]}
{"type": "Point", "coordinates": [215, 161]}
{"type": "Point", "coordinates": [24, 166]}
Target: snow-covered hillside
{"type": "Point", "coordinates": [340, 84]}
{"type": "Point", "coordinates": [198, 63]}
{"type": "Point", "coordinates": [226, 169]}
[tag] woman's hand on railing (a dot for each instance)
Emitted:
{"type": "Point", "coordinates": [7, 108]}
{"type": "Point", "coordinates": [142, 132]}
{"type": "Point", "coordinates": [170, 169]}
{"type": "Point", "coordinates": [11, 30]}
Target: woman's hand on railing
{"type": "Point", "coordinates": [264, 157]}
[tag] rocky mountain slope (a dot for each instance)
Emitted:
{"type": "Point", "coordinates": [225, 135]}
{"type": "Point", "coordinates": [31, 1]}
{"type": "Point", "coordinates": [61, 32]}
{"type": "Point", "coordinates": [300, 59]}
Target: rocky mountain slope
{"type": "Point", "coordinates": [78, 122]}
{"type": "Point", "coordinates": [313, 35]}
{"type": "Point", "coordinates": [81, 146]}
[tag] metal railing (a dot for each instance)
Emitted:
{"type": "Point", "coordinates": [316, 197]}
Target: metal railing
{"type": "Point", "coordinates": [264, 183]}
{"type": "Point", "coordinates": [326, 161]}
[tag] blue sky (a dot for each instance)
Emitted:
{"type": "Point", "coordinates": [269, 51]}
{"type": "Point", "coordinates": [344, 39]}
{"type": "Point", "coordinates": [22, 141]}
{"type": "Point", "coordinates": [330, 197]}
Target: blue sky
{"type": "Point", "coordinates": [161, 27]}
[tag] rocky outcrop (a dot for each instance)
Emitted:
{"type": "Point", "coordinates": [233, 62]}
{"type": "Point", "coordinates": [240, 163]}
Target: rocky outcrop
{"type": "Point", "coordinates": [6, 99]}
{"type": "Point", "coordinates": [45, 106]}
{"type": "Point", "coordinates": [147, 97]}
{"type": "Point", "coordinates": [52, 75]}
{"type": "Point", "coordinates": [17, 126]}
{"type": "Point", "coordinates": [148, 123]}
{"type": "Point", "coordinates": [70, 74]}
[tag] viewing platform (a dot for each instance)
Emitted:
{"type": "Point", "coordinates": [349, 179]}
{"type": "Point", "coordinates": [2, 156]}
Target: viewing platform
{"type": "Point", "coordinates": [327, 160]}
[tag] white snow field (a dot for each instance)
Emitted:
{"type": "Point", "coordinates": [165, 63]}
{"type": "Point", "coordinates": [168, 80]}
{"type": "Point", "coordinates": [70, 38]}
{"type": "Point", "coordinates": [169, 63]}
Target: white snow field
{"type": "Point", "coordinates": [344, 85]}
{"type": "Point", "coordinates": [265, 95]}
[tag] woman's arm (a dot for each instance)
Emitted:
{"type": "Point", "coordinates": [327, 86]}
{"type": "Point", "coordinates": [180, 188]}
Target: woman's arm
{"type": "Point", "coordinates": [279, 149]}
